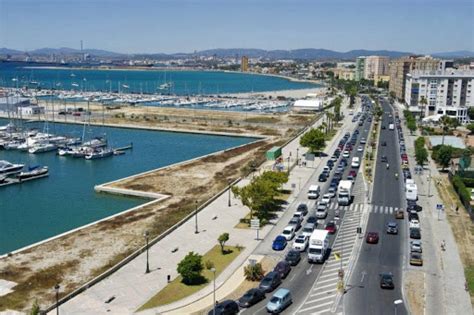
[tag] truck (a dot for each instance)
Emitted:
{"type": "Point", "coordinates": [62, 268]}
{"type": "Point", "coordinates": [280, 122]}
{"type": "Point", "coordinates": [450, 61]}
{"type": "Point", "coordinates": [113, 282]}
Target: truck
{"type": "Point", "coordinates": [391, 126]}
{"type": "Point", "coordinates": [344, 191]}
{"type": "Point", "coordinates": [318, 246]}
{"type": "Point", "coordinates": [411, 190]}
{"type": "Point", "coordinates": [313, 192]}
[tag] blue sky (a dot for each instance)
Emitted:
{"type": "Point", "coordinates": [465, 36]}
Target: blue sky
{"type": "Point", "coordinates": [149, 26]}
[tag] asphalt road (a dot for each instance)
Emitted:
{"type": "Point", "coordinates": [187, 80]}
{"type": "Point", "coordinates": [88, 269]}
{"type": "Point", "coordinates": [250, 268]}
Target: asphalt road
{"type": "Point", "coordinates": [302, 277]}
{"type": "Point", "coordinates": [365, 296]}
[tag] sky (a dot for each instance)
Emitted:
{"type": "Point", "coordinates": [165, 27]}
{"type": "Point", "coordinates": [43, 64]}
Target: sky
{"type": "Point", "coordinates": [170, 26]}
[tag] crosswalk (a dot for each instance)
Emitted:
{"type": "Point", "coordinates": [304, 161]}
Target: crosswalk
{"type": "Point", "coordinates": [360, 207]}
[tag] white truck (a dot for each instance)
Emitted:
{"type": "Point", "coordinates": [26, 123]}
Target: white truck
{"type": "Point", "coordinates": [344, 191]}
{"type": "Point", "coordinates": [318, 246]}
{"type": "Point", "coordinates": [391, 126]}
{"type": "Point", "coordinates": [411, 190]}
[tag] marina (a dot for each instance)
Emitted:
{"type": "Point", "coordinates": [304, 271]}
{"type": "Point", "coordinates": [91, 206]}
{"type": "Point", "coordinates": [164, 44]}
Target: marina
{"type": "Point", "coordinates": [65, 199]}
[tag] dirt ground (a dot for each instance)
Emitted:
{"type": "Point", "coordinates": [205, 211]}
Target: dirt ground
{"type": "Point", "coordinates": [414, 292]}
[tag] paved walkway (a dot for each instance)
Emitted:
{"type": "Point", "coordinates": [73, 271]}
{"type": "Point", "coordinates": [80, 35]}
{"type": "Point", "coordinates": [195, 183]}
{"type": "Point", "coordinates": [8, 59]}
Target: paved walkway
{"type": "Point", "coordinates": [130, 287]}
{"type": "Point", "coordinates": [444, 272]}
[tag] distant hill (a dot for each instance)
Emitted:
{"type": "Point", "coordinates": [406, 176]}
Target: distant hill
{"type": "Point", "coordinates": [7, 51]}
{"type": "Point", "coordinates": [71, 51]}
{"type": "Point", "coordinates": [454, 54]}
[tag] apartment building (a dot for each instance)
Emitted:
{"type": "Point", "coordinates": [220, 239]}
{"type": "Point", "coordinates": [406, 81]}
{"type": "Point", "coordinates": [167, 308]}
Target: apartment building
{"type": "Point", "coordinates": [244, 64]}
{"type": "Point", "coordinates": [344, 74]}
{"type": "Point", "coordinates": [375, 66]}
{"type": "Point", "coordinates": [359, 68]}
{"type": "Point", "coordinates": [447, 92]}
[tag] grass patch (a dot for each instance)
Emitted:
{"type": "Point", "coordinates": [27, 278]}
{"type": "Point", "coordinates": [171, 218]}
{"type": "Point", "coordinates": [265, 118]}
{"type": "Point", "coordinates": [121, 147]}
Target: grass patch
{"type": "Point", "coordinates": [176, 290]}
{"type": "Point", "coordinates": [262, 120]}
{"type": "Point", "coordinates": [469, 273]}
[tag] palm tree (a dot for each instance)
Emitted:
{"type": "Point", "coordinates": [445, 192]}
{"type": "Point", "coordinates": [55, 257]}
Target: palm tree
{"type": "Point", "coordinates": [423, 102]}
{"type": "Point", "coordinates": [330, 117]}
{"type": "Point", "coordinates": [447, 123]}
{"type": "Point", "coordinates": [324, 127]}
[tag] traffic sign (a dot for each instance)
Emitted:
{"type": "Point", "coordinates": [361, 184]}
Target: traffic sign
{"type": "Point", "coordinates": [255, 224]}
{"type": "Point", "coordinates": [439, 206]}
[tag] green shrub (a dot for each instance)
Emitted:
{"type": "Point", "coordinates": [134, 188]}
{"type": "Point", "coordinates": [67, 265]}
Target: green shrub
{"type": "Point", "coordinates": [463, 193]}
{"type": "Point", "coordinates": [253, 273]}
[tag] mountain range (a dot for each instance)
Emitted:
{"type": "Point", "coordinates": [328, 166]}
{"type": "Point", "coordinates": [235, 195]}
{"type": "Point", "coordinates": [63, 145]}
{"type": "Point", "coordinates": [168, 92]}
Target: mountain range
{"type": "Point", "coordinates": [304, 54]}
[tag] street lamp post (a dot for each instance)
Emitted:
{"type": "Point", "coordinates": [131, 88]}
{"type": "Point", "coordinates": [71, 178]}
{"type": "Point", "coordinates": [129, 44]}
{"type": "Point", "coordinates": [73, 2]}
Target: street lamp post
{"type": "Point", "coordinates": [395, 304]}
{"type": "Point", "coordinates": [230, 182]}
{"type": "Point", "coordinates": [429, 183]}
{"type": "Point", "coordinates": [297, 156]}
{"type": "Point", "coordinates": [56, 288]}
{"type": "Point", "coordinates": [196, 231]}
{"type": "Point", "coordinates": [288, 164]}
{"type": "Point", "coordinates": [214, 290]}
{"type": "Point", "coordinates": [147, 270]}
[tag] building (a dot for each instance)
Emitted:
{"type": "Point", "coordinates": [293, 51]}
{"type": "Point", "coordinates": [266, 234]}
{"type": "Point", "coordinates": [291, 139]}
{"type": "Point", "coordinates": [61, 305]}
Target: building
{"type": "Point", "coordinates": [244, 64]}
{"type": "Point", "coordinates": [344, 74]}
{"type": "Point", "coordinates": [30, 110]}
{"type": "Point", "coordinates": [375, 66]}
{"type": "Point", "coordinates": [399, 68]}
{"type": "Point", "coordinates": [447, 92]}
{"type": "Point", "coordinates": [313, 104]}
{"type": "Point", "coordinates": [381, 78]}
{"type": "Point", "coordinates": [359, 68]}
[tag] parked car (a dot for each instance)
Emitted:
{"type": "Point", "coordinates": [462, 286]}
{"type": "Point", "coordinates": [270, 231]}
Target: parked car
{"type": "Point", "coordinates": [251, 297]}
{"type": "Point", "coordinates": [386, 281]}
{"type": "Point", "coordinates": [384, 143]}
{"type": "Point", "coordinates": [270, 282]}
{"type": "Point", "coordinates": [289, 232]}
{"type": "Point", "coordinates": [293, 257]}
{"type": "Point", "coordinates": [296, 222]}
{"type": "Point", "coordinates": [283, 268]}
{"type": "Point", "coordinates": [372, 238]}
{"type": "Point", "coordinates": [322, 177]}
{"type": "Point", "coordinates": [392, 227]}
{"type": "Point", "coordinates": [279, 243]}
{"type": "Point", "coordinates": [227, 307]}
{"type": "Point", "coordinates": [279, 301]}
{"type": "Point", "coordinates": [415, 233]}
{"type": "Point", "coordinates": [301, 242]}
{"type": "Point", "coordinates": [302, 208]}
{"type": "Point", "coordinates": [415, 246]}
{"type": "Point", "coordinates": [416, 259]}
{"type": "Point", "coordinates": [414, 224]}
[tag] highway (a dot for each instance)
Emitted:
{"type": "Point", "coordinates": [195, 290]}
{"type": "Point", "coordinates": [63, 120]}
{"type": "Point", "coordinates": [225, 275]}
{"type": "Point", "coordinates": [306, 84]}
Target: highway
{"type": "Point", "coordinates": [302, 277]}
{"type": "Point", "coordinates": [364, 295]}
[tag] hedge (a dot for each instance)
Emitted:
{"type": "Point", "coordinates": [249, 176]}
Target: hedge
{"type": "Point", "coordinates": [461, 189]}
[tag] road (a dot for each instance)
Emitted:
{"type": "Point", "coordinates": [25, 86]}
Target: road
{"type": "Point", "coordinates": [302, 277]}
{"type": "Point", "coordinates": [365, 296]}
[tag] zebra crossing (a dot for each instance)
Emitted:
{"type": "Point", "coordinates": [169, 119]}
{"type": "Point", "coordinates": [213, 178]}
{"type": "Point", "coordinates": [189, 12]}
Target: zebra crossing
{"type": "Point", "coordinates": [360, 207]}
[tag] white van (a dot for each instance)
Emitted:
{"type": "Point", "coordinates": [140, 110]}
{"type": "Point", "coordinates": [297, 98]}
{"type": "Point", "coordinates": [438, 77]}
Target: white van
{"type": "Point", "coordinates": [355, 162]}
{"type": "Point", "coordinates": [314, 191]}
{"type": "Point", "coordinates": [391, 126]}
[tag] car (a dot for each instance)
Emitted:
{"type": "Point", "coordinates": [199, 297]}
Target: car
{"type": "Point", "coordinates": [414, 207]}
{"type": "Point", "coordinates": [353, 173]}
{"type": "Point", "coordinates": [363, 141]}
{"type": "Point", "coordinates": [383, 127]}
{"type": "Point", "coordinates": [360, 148]}
{"type": "Point", "coordinates": [227, 307]}
{"type": "Point", "coordinates": [312, 219]}
{"type": "Point", "coordinates": [62, 113]}
{"type": "Point", "coordinates": [356, 131]}
{"type": "Point", "coordinates": [279, 243]}
{"type": "Point", "coordinates": [350, 177]}
{"type": "Point", "coordinates": [327, 169]}
{"type": "Point", "coordinates": [331, 227]}
{"type": "Point", "coordinates": [416, 259]}
{"type": "Point", "coordinates": [333, 183]}
{"type": "Point", "coordinates": [386, 281]}
{"type": "Point", "coordinates": [334, 159]}
{"type": "Point", "coordinates": [326, 173]}
{"type": "Point", "coordinates": [340, 169]}
{"type": "Point", "coordinates": [415, 233]}
{"type": "Point", "coordinates": [346, 154]}
{"type": "Point", "coordinates": [415, 246]}
{"type": "Point", "coordinates": [399, 214]}
{"type": "Point", "coordinates": [322, 177]}
{"type": "Point", "coordinates": [301, 242]}
{"type": "Point", "coordinates": [361, 123]}
{"type": "Point", "coordinates": [392, 227]}
{"type": "Point", "coordinates": [332, 191]}
{"type": "Point", "coordinates": [302, 208]}
{"type": "Point", "coordinates": [293, 257]}
{"type": "Point", "coordinates": [343, 162]}
{"type": "Point", "coordinates": [384, 159]}
{"type": "Point", "coordinates": [414, 224]}
{"type": "Point", "coordinates": [326, 198]}
{"type": "Point", "coordinates": [321, 212]}
{"type": "Point", "coordinates": [413, 215]}
{"type": "Point", "coordinates": [296, 222]}
{"type": "Point", "coordinates": [251, 297]}
{"type": "Point", "coordinates": [299, 216]}
{"type": "Point", "coordinates": [372, 238]}
{"type": "Point", "coordinates": [384, 143]}
{"type": "Point", "coordinates": [283, 268]}
{"type": "Point", "coordinates": [289, 232]}
{"type": "Point", "coordinates": [279, 301]}
{"type": "Point", "coordinates": [270, 282]}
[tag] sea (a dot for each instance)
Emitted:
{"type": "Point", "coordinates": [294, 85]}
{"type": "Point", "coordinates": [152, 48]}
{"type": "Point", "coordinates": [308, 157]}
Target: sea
{"type": "Point", "coordinates": [42, 208]}
{"type": "Point", "coordinates": [15, 74]}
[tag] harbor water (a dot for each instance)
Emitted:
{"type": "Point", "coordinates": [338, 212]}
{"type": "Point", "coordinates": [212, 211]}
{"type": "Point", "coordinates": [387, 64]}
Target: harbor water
{"type": "Point", "coordinates": [42, 208]}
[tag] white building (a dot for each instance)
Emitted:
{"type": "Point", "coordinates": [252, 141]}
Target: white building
{"type": "Point", "coordinates": [313, 104]}
{"type": "Point", "coordinates": [447, 92]}
{"type": "Point", "coordinates": [375, 66]}
{"type": "Point", "coordinates": [30, 110]}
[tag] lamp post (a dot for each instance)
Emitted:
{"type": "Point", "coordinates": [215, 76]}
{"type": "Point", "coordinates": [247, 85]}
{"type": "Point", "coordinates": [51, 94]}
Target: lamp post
{"type": "Point", "coordinates": [429, 183]}
{"type": "Point", "coordinates": [288, 164]}
{"type": "Point", "coordinates": [297, 156]}
{"type": "Point", "coordinates": [56, 288]}
{"type": "Point", "coordinates": [214, 290]}
{"type": "Point", "coordinates": [230, 182]}
{"type": "Point", "coordinates": [147, 270]}
{"type": "Point", "coordinates": [396, 303]}
{"type": "Point", "coordinates": [196, 231]}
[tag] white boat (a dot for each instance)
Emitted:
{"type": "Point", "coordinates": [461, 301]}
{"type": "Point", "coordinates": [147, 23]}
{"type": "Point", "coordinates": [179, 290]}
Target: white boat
{"type": "Point", "coordinates": [99, 154]}
{"type": "Point", "coordinates": [42, 147]}
{"type": "Point", "coordinates": [37, 171]}
{"type": "Point", "coordinates": [166, 86]}
{"type": "Point", "coordinates": [9, 168]}
{"type": "Point", "coordinates": [12, 145]}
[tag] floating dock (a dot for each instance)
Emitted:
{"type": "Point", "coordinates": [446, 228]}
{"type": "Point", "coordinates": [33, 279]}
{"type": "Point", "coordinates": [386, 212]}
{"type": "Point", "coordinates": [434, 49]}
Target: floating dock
{"type": "Point", "coordinates": [12, 180]}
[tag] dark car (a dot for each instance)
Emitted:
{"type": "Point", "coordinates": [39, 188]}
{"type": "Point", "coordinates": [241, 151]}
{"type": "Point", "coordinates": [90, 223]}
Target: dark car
{"type": "Point", "coordinates": [384, 159]}
{"type": "Point", "coordinates": [411, 205]}
{"type": "Point", "coordinates": [303, 208]}
{"type": "Point", "coordinates": [279, 243]}
{"type": "Point", "coordinates": [227, 307]}
{"type": "Point", "coordinates": [251, 297]}
{"type": "Point", "coordinates": [386, 281]}
{"type": "Point", "coordinates": [330, 163]}
{"type": "Point", "coordinates": [372, 238]}
{"type": "Point", "coordinates": [415, 233]}
{"type": "Point", "coordinates": [296, 222]}
{"type": "Point", "coordinates": [383, 127]}
{"type": "Point", "coordinates": [270, 282]}
{"type": "Point", "coordinates": [343, 162]}
{"type": "Point", "coordinates": [283, 268]}
{"type": "Point", "coordinates": [322, 177]}
{"type": "Point", "coordinates": [330, 227]}
{"type": "Point", "coordinates": [352, 173]}
{"type": "Point", "coordinates": [312, 219]}
{"type": "Point", "coordinates": [392, 227]}
{"type": "Point", "coordinates": [384, 143]}
{"type": "Point", "coordinates": [293, 257]}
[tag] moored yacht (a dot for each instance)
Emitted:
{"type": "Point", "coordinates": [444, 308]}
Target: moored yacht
{"type": "Point", "coordinates": [9, 168]}
{"type": "Point", "coordinates": [42, 147]}
{"type": "Point", "coordinates": [33, 172]}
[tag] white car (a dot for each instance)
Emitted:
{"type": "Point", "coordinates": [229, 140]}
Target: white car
{"type": "Point", "coordinates": [415, 246]}
{"type": "Point", "coordinates": [346, 154]}
{"type": "Point", "coordinates": [362, 141]}
{"type": "Point", "coordinates": [301, 243]}
{"type": "Point", "coordinates": [326, 198]}
{"type": "Point", "coordinates": [360, 148]}
{"type": "Point", "coordinates": [332, 192]}
{"type": "Point", "coordinates": [414, 224]}
{"type": "Point", "coordinates": [288, 232]}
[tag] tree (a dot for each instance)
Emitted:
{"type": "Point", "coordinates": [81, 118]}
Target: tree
{"type": "Point", "coordinates": [421, 155]}
{"type": "Point", "coordinates": [445, 153]}
{"type": "Point", "coordinates": [423, 103]}
{"type": "Point", "coordinates": [223, 238]}
{"type": "Point", "coordinates": [446, 124]}
{"type": "Point", "coordinates": [35, 309]}
{"type": "Point", "coordinates": [470, 113]}
{"type": "Point", "coordinates": [411, 125]}
{"type": "Point", "coordinates": [330, 118]}
{"type": "Point", "coordinates": [314, 139]}
{"type": "Point", "coordinates": [190, 268]}
{"type": "Point", "coordinates": [470, 127]}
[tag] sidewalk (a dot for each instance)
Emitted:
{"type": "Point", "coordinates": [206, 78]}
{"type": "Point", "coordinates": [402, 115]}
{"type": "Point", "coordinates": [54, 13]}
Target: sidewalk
{"type": "Point", "coordinates": [443, 271]}
{"type": "Point", "coordinates": [130, 287]}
